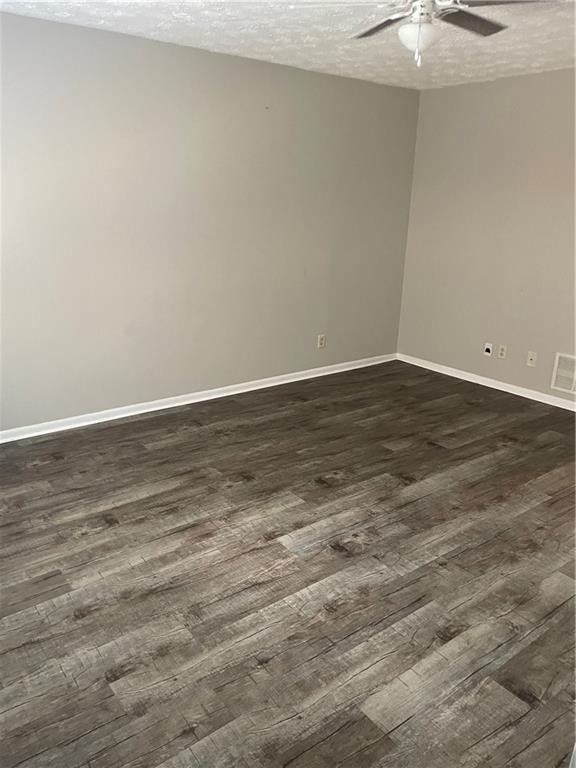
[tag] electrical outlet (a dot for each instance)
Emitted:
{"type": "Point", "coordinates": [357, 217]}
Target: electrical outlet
{"type": "Point", "coordinates": [531, 359]}
{"type": "Point", "coordinates": [321, 340]}
{"type": "Point", "coordinates": [502, 351]}
{"type": "Point", "coordinates": [488, 349]}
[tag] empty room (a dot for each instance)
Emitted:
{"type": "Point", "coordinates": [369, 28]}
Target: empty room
{"type": "Point", "coordinates": [287, 384]}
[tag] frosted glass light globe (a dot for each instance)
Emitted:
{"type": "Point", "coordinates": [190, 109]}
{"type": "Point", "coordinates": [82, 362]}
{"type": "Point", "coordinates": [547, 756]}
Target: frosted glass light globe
{"type": "Point", "coordinates": [414, 35]}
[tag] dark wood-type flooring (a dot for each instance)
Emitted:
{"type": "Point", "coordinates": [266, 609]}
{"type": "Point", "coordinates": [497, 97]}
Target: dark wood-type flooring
{"type": "Point", "coordinates": [373, 569]}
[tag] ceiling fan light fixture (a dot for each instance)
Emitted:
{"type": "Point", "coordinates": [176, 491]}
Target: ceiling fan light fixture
{"type": "Point", "coordinates": [421, 29]}
{"type": "Point", "coordinates": [417, 36]}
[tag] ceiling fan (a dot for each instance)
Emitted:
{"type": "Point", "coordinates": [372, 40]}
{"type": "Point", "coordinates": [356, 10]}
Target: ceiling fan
{"type": "Point", "coordinates": [420, 31]}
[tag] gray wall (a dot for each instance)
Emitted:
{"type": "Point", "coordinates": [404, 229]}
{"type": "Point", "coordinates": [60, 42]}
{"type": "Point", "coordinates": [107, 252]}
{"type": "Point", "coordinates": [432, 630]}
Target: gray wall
{"type": "Point", "coordinates": [175, 220]}
{"type": "Point", "coordinates": [490, 255]}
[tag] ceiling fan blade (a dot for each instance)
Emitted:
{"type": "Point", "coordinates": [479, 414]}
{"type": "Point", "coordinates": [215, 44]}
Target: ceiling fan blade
{"type": "Point", "coordinates": [477, 24]}
{"type": "Point", "coordinates": [383, 24]}
{"type": "Point", "coordinates": [488, 3]}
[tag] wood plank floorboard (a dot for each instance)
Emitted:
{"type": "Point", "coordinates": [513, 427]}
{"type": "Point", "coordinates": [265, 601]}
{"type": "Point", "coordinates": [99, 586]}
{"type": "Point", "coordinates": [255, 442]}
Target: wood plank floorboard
{"type": "Point", "coordinates": [369, 570]}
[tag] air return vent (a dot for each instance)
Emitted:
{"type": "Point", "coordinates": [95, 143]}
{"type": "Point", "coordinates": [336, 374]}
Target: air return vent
{"type": "Point", "coordinates": [564, 374]}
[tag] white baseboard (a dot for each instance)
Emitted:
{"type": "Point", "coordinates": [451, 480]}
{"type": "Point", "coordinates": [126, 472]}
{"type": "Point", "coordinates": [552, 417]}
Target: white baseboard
{"type": "Point", "coordinates": [531, 394]}
{"type": "Point", "coordinates": [47, 427]}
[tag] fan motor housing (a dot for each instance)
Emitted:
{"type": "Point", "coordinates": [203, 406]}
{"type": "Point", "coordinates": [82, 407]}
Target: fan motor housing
{"type": "Point", "coordinates": [422, 11]}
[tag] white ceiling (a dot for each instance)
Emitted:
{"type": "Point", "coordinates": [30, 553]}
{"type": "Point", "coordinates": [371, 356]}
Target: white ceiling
{"type": "Point", "coordinates": [317, 35]}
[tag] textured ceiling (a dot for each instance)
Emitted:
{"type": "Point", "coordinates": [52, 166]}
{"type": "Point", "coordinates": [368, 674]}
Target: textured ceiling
{"type": "Point", "coordinates": [317, 35]}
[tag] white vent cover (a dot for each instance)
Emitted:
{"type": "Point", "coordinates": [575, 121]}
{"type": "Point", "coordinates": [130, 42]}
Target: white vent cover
{"type": "Point", "coordinates": [564, 373]}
